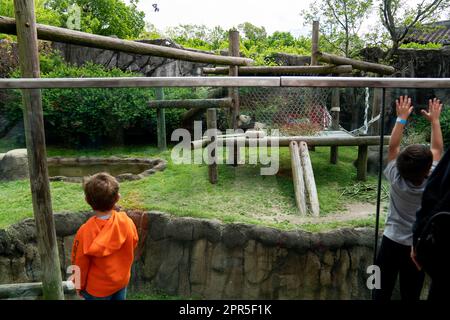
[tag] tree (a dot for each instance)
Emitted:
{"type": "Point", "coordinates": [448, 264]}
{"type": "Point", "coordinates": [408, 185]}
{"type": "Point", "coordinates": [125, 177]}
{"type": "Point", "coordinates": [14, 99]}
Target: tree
{"type": "Point", "coordinates": [44, 14]}
{"type": "Point", "coordinates": [340, 22]}
{"type": "Point", "coordinates": [278, 39]}
{"type": "Point", "coordinates": [103, 17]}
{"type": "Point", "coordinates": [399, 18]}
{"type": "Point", "coordinates": [198, 35]}
{"type": "Point", "coordinates": [252, 33]}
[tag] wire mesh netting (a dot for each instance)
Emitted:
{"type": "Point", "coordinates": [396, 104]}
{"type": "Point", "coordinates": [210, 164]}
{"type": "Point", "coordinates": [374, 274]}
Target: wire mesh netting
{"type": "Point", "coordinates": [293, 111]}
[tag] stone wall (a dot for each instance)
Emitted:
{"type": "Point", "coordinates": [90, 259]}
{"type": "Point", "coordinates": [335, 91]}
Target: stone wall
{"type": "Point", "coordinates": [149, 66]}
{"type": "Point", "coordinates": [207, 259]}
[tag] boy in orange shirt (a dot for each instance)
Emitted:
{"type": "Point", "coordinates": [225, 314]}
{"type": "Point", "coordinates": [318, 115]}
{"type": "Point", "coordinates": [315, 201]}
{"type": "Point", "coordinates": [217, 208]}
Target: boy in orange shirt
{"type": "Point", "coordinates": [104, 246]}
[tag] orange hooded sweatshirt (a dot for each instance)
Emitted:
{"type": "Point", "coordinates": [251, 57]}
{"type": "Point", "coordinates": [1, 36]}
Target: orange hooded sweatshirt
{"type": "Point", "coordinates": [104, 252]}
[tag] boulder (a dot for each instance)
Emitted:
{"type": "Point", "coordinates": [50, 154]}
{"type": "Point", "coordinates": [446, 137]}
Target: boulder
{"type": "Point", "coordinates": [14, 165]}
{"type": "Point", "coordinates": [373, 159]}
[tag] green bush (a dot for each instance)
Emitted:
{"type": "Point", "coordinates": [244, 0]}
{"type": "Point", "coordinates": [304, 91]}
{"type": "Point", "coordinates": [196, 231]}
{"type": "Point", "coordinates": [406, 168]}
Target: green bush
{"type": "Point", "coordinates": [88, 117]}
{"type": "Point", "coordinates": [421, 126]}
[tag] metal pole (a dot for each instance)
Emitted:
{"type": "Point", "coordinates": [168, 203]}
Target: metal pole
{"type": "Point", "coordinates": [380, 175]}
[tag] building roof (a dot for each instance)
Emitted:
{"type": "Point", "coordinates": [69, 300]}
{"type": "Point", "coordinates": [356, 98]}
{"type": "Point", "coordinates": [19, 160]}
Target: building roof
{"type": "Point", "coordinates": [438, 32]}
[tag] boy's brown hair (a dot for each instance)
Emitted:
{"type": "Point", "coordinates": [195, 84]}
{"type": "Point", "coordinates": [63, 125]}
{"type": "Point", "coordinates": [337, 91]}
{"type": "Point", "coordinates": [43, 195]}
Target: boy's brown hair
{"type": "Point", "coordinates": [414, 163]}
{"type": "Point", "coordinates": [101, 191]}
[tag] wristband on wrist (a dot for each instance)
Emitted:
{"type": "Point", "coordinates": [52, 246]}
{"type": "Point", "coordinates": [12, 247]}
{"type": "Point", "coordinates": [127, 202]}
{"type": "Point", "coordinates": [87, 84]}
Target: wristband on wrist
{"type": "Point", "coordinates": [401, 121]}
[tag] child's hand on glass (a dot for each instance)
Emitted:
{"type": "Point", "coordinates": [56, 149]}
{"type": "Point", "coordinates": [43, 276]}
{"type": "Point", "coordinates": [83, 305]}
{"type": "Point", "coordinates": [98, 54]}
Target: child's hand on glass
{"type": "Point", "coordinates": [404, 107]}
{"type": "Point", "coordinates": [434, 110]}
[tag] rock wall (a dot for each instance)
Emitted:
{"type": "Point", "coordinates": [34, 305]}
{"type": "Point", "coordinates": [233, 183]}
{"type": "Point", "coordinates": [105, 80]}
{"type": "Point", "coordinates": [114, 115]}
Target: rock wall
{"type": "Point", "coordinates": [207, 259]}
{"type": "Point", "coordinates": [147, 65]}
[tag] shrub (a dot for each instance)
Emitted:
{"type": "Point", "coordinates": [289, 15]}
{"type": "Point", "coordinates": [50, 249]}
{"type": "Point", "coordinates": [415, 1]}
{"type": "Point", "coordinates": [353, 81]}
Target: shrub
{"type": "Point", "coordinates": [421, 127]}
{"type": "Point", "coordinates": [88, 117]}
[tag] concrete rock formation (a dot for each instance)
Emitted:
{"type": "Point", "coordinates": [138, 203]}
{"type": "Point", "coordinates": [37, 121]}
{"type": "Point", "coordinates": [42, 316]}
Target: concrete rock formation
{"type": "Point", "coordinates": [14, 165]}
{"type": "Point", "coordinates": [208, 259]}
{"type": "Point", "coordinates": [147, 65]}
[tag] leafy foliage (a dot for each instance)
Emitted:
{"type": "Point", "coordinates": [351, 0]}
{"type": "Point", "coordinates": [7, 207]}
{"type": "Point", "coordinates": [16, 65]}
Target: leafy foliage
{"type": "Point", "coordinates": [103, 17]}
{"type": "Point", "coordinates": [44, 14]}
{"type": "Point", "coordinates": [255, 43]}
{"type": "Point", "coordinates": [421, 127]}
{"type": "Point", "coordinates": [83, 117]}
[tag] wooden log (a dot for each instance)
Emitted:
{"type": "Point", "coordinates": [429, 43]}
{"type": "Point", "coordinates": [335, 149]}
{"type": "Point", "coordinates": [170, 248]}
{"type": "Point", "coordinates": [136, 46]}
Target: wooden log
{"type": "Point", "coordinates": [321, 141]}
{"type": "Point", "coordinates": [361, 165]}
{"type": "Point", "coordinates": [56, 34]}
{"type": "Point", "coordinates": [357, 64]}
{"type": "Point", "coordinates": [192, 103]}
{"type": "Point", "coordinates": [369, 82]}
{"type": "Point", "coordinates": [282, 70]}
{"type": "Point", "coordinates": [161, 121]}
{"type": "Point", "coordinates": [315, 43]}
{"type": "Point", "coordinates": [335, 112]}
{"type": "Point", "coordinates": [211, 122]}
{"type": "Point", "coordinates": [310, 182]}
{"type": "Point", "coordinates": [37, 154]}
{"type": "Point", "coordinates": [297, 178]}
{"type": "Point", "coordinates": [27, 290]}
{"type": "Point", "coordinates": [144, 82]}
{"type": "Point", "coordinates": [234, 50]}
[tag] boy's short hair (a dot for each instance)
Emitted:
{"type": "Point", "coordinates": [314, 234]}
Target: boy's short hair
{"type": "Point", "coordinates": [414, 163]}
{"type": "Point", "coordinates": [101, 191]}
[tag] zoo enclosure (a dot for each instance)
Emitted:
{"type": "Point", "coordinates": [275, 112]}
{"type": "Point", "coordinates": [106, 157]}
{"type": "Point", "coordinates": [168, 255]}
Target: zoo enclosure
{"type": "Point", "coordinates": [28, 32]}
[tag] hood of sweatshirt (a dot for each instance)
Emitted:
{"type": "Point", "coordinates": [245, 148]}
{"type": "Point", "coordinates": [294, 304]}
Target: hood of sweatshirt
{"type": "Point", "coordinates": [107, 236]}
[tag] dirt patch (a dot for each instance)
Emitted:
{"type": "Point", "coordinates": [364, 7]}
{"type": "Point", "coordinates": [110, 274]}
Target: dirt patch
{"type": "Point", "coordinates": [354, 211]}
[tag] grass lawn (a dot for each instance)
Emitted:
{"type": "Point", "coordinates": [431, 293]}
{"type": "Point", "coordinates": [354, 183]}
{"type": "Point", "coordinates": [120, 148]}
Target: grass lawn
{"type": "Point", "coordinates": [241, 195]}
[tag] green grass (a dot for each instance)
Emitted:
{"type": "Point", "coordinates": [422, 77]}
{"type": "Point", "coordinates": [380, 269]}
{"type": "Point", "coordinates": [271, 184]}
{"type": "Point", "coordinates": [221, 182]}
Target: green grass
{"type": "Point", "coordinates": [241, 195]}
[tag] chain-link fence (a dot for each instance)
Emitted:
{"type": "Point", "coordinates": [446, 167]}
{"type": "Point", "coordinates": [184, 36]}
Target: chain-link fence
{"type": "Point", "coordinates": [294, 111]}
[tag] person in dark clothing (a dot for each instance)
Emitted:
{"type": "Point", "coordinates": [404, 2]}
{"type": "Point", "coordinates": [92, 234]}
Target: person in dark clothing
{"type": "Point", "coordinates": [436, 199]}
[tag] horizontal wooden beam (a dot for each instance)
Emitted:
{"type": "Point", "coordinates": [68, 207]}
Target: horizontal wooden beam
{"type": "Point", "coordinates": [191, 103]}
{"type": "Point", "coordinates": [282, 70]}
{"type": "Point", "coordinates": [21, 290]}
{"type": "Point", "coordinates": [354, 82]}
{"type": "Point", "coordinates": [143, 82]}
{"type": "Point", "coordinates": [139, 82]}
{"type": "Point", "coordinates": [357, 64]}
{"type": "Point", "coordinates": [45, 32]}
{"type": "Point", "coordinates": [326, 141]}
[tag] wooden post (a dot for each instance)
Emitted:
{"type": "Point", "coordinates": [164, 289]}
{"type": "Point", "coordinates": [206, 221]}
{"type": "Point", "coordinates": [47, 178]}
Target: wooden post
{"type": "Point", "coordinates": [376, 109]}
{"type": "Point", "coordinates": [211, 122]}
{"type": "Point", "coordinates": [234, 50]}
{"type": "Point", "coordinates": [315, 43]}
{"type": "Point", "coordinates": [310, 182]}
{"type": "Point", "coordinates": [297, 178]}
{"type": "Point", "coordinates": [361, 170]}
{"type": "Point", "coordinates": [335, 112]}
{"type": "Point", "coordinates": [161, 121]}
{"type": "Point", "coordinates": [37, 154]}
